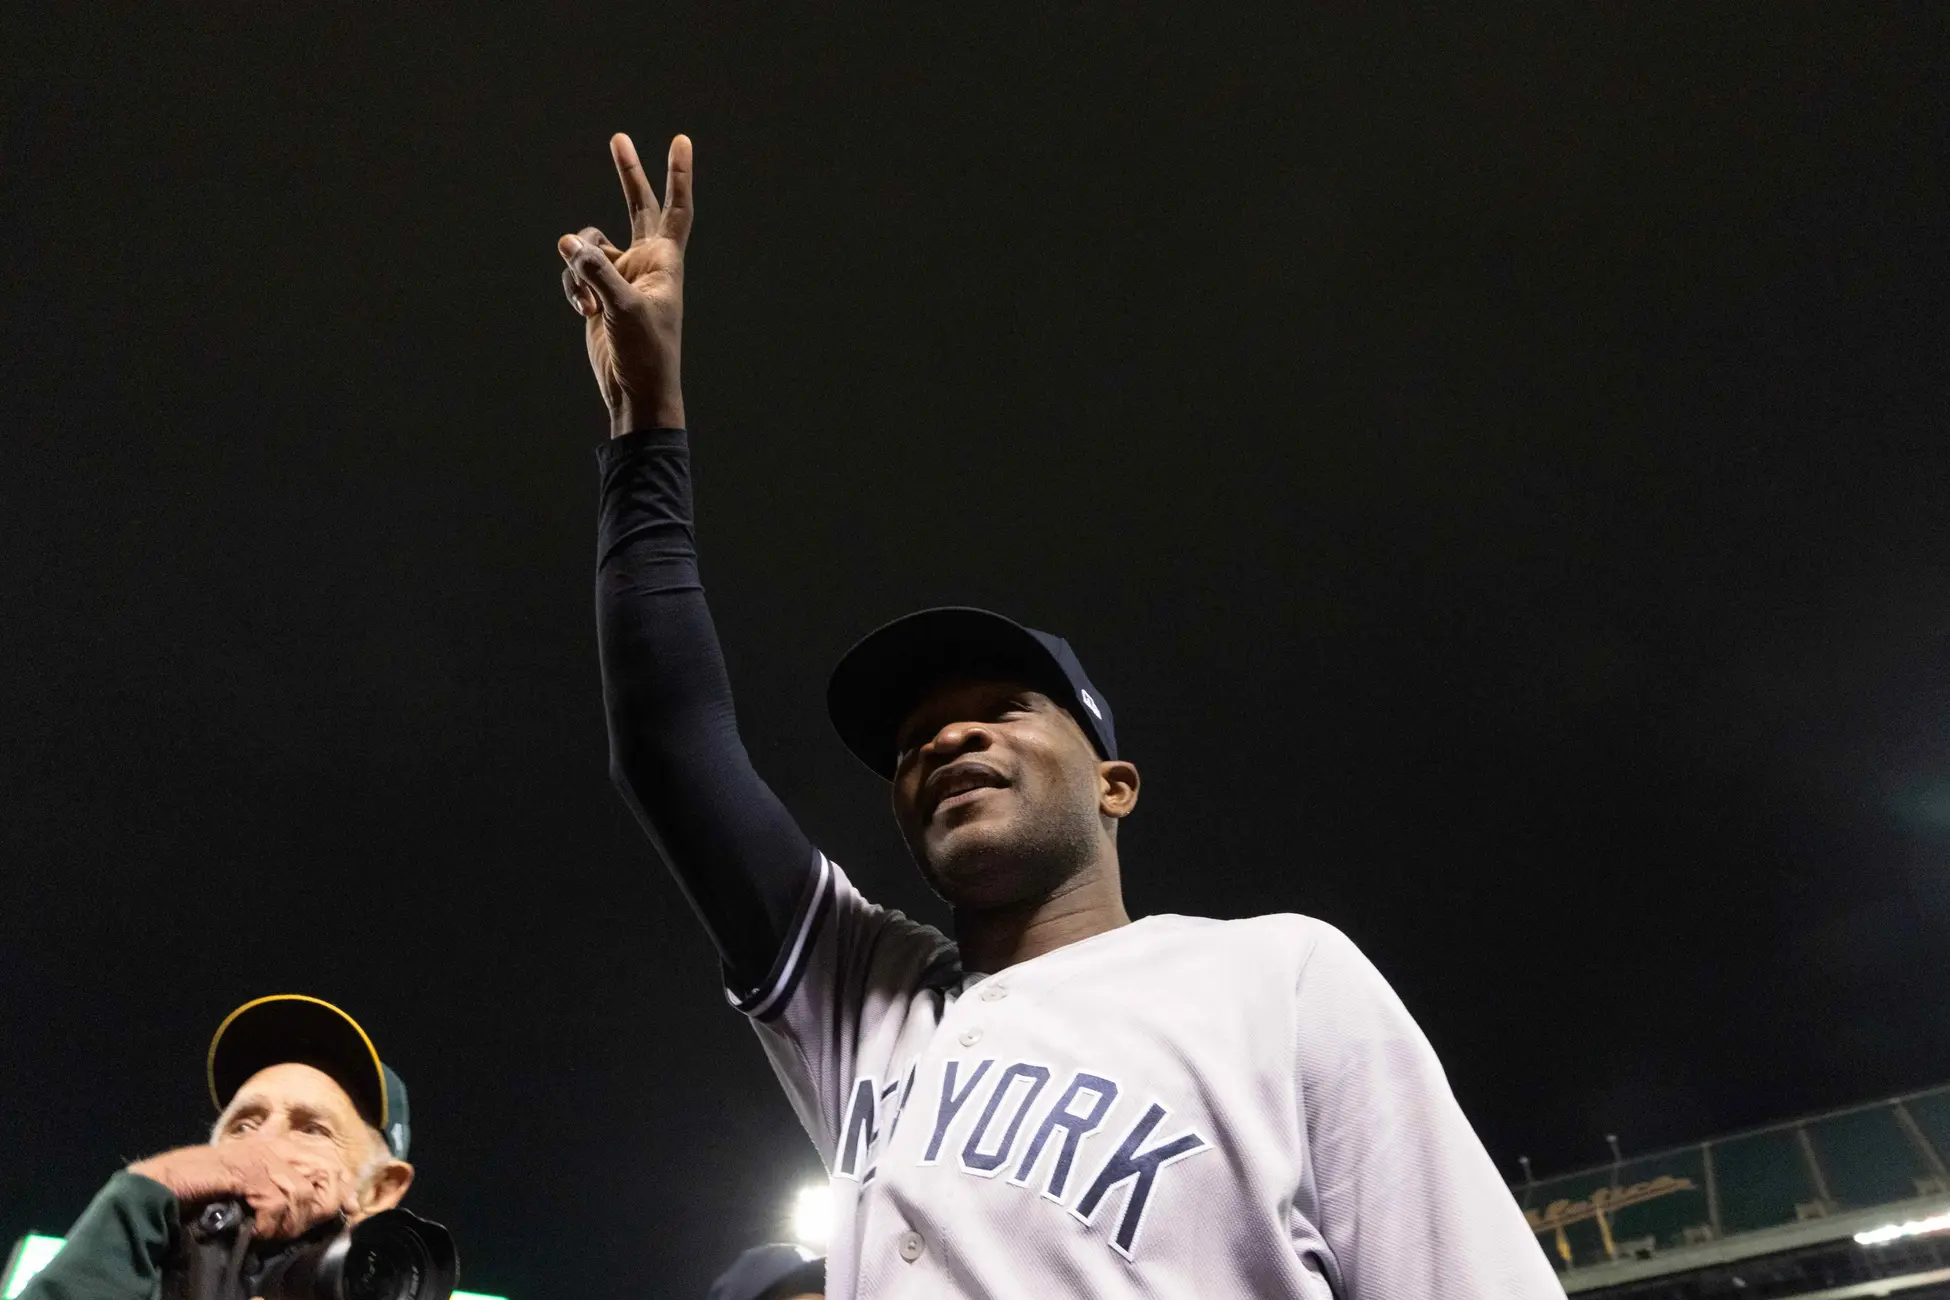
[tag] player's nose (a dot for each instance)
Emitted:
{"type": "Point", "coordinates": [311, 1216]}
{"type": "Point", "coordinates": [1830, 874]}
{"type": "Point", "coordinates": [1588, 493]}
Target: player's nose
{"type": "Point", "coordinates": [958, 738]}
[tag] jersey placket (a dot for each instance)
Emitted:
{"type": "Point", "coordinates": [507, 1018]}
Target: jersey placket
{"type": "Point", "coordinates": [907, 1251]}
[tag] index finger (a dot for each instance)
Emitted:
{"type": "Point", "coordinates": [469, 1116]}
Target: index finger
{"type": "Point", "coordinates": [636, 188]}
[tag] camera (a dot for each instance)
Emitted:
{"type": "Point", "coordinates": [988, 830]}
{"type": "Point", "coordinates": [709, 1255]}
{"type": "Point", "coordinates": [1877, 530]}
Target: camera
{"type": "Point", "coordinates": [394, 1255]}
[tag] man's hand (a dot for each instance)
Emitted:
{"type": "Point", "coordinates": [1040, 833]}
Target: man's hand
{"type": "Point", "coordinates": [287, 1194]}
{"type": "Point", "coordinates": [631, 300]}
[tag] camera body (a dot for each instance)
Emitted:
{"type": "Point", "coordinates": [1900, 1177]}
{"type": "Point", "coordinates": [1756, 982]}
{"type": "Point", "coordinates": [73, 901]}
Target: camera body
{"type": "Point", "coordinates": [394, 1255]}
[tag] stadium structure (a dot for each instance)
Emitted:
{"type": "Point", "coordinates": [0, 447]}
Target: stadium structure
{"type": "Point", "coordinates": [1851, 1203]}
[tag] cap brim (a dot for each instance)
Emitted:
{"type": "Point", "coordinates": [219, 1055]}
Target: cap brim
{"type": "Point", "coordinates": [879, 681]}
{"type": "Point", "coordinates": [808, 1277]}
{"type": "Point", "coordinates": [293, 1028]}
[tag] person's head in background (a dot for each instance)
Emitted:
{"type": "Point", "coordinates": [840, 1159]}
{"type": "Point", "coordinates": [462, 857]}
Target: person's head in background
{"type": "Point", "coordinates": [774, 1272]}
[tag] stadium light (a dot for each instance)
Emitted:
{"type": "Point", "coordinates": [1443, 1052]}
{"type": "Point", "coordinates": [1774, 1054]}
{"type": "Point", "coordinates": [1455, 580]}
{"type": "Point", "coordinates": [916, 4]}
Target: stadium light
{"type": "Point", "coordinates": [33, 1252]}
{"type": "Point", "coordinates": [812, 1216]}
{"type": "Point", "coordinates": [1889, 1232]}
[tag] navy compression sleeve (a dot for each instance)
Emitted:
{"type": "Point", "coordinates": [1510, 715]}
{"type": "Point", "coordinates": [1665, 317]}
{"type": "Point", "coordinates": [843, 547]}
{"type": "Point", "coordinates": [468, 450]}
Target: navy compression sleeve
{"type": "Point", "coordinates": [674, 751]}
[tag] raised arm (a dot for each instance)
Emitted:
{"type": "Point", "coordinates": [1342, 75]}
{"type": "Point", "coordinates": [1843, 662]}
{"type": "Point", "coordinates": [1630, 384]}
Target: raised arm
{"type": "Point", "coordinates": [675, 754]}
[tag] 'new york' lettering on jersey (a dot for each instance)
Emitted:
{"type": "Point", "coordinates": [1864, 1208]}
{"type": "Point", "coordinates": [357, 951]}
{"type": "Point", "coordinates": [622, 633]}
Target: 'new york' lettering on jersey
{"type": "Point", "coordinates": [1179, 1107]}
{"type": "Point", "coordinates": [992, 1141]}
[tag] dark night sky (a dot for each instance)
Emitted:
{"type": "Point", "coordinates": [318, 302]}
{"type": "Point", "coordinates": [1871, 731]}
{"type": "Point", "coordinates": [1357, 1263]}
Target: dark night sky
{"type": "Point", "coordinates": [1497, 467]}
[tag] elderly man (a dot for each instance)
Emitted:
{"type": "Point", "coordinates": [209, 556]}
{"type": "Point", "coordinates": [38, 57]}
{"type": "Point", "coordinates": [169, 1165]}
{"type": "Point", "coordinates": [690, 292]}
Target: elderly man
{"type": "Point", "coordinates": [310, 1126]}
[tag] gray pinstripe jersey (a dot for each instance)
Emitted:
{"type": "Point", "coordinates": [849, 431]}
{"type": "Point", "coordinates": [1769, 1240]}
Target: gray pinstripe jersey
{"type": "Point", "coordinates": [1177, 1108]}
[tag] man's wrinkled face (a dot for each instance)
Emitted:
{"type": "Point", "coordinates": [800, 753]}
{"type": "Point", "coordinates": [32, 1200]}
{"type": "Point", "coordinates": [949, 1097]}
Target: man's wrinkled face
{"type": "Point", "coordinates": [312, 1121]}
{"type": "Point", "coordinates": [996, 791]}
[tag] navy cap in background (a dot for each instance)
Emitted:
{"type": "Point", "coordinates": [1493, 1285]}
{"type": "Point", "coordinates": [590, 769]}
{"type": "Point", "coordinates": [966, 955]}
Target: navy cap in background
{"type": "Point", "coordinates": [771, 1272]}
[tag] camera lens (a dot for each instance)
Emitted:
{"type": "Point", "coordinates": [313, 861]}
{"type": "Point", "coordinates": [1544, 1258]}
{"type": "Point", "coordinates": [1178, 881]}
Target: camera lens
{"type": "Point", "coordinates": [391, 1268]}
{"type": "Point", "coordinates": [394, 1255]}
{"type": "Point", "coordinates": [398, 1256]}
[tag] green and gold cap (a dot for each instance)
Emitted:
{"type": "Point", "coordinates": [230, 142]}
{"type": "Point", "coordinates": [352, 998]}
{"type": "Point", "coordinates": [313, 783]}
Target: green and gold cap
{"type": "Point", "coordinates": [291, 1027]}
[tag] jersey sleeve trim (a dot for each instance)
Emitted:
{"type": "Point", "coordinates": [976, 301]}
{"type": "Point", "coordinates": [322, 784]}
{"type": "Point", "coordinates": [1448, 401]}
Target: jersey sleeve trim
{"type": "Point", "coordinates": [769, 998]}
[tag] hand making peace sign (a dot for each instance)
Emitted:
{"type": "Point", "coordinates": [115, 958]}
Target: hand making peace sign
{"type": "Point", "coordinates": [631, 299]}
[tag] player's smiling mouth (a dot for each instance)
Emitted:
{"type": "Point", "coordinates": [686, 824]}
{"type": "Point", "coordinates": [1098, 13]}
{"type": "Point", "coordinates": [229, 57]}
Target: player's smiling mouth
{"type": "Point", "coordinates": [959, 782]}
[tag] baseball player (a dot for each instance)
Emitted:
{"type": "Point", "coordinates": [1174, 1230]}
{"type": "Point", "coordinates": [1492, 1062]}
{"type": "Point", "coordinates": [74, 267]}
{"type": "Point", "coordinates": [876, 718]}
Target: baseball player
{"type": "Point", "coordinates": [1058, 1100]}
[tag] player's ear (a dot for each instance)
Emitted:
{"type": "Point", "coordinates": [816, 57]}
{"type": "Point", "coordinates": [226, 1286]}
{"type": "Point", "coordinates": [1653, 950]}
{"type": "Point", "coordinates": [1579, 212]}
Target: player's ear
{"type": "Point", "coordinates": [1117, 788]}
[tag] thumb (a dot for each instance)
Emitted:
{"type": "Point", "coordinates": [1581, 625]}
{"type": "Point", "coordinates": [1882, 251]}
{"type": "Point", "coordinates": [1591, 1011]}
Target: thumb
{"type": "Point", "coordinates": [596, 271]}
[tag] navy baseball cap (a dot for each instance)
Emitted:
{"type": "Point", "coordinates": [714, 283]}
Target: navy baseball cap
{"type": "Point", "coordinates": [879, 681]}
{"type": "Point", "coordinates": [770, 1273]}
{"type": "Point", "coordinates": [290, 1027]}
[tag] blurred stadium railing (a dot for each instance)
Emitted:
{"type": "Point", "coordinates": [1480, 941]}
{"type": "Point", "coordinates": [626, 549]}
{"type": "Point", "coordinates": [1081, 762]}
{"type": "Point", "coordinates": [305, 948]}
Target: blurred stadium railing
{"type": "Point", "coordinates": [1853, 1202]}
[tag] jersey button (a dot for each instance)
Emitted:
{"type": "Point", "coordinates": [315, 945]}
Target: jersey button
{"type": "Point", "coordinates": [970, 1037]}
{"type": "Point", "coordinates": [912, 1245]}
{"type": "Point", "coordinates": [994, 993]}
